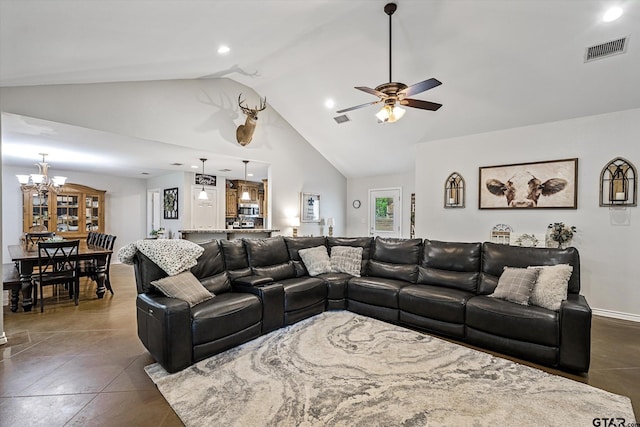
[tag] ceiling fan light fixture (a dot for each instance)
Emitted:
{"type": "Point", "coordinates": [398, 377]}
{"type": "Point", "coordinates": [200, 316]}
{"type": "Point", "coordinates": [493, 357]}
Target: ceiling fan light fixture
{"type": "Point", "coordinates": [390, 113]}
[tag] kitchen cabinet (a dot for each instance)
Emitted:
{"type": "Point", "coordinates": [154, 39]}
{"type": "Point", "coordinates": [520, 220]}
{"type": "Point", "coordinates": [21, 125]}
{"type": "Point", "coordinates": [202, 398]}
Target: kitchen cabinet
{"type": "Point", "coordinates": [72, 213]}
{"type": "Point", "coordinates": [232, 203]}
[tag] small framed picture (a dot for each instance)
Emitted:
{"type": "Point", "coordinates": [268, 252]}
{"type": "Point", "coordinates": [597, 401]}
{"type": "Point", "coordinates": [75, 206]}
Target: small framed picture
{"type": "Point", "coordinates": [309, 207]}
{"type": "Point", "coordinates": [171, 203]}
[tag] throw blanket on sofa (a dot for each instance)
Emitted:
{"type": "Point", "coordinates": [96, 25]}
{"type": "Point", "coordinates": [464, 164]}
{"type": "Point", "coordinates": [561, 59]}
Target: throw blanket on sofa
{"type": "Point", "coordinates": [172, 255]}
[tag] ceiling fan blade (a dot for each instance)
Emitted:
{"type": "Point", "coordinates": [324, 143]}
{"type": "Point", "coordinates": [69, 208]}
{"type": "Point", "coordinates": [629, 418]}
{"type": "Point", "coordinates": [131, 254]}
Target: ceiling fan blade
{"type": "Point", "coordinates": [417, 103]}
{"type": "Point", "coordinates": [358, 106]}
{"type": "Point", "coordinates": [372, 91]}
{"type": "Point", "coordinates": [420, 87]}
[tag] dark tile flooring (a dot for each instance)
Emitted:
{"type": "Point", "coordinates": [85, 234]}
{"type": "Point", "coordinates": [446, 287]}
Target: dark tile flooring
{"type": "Point", "coordinates": [84, 365]}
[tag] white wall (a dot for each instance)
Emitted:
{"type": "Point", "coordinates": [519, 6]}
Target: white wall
{"type": "Point", "coordinates": [358, 189]}
{"type": "Point", "coordinates": [196, 113]}
{"type": "Point", "coordinates": [608, 240]}
{"type": "Point", "coordinates": [125, 202]}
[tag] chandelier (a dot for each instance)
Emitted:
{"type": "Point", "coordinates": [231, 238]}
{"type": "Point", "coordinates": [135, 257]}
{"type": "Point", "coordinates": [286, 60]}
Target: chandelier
{"type": "Point", "coordinates": [40, 181]}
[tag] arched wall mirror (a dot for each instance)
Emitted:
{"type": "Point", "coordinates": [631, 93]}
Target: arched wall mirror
{"type": "Point", "coordinates": [618, 184]}
{"type": "Point", "coordinates": [454, 191]}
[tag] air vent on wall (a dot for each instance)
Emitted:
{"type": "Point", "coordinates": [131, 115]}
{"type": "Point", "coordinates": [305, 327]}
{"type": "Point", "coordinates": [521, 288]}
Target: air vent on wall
{"type": "Point", "coordinates": [341, 119]}
{"type": "Point", "coordinates": [604, 50]}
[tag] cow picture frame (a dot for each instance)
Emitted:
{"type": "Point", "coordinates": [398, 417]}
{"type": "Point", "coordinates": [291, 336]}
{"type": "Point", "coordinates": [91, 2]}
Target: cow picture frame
{"type": "Point", "coordinates": [551, 184]}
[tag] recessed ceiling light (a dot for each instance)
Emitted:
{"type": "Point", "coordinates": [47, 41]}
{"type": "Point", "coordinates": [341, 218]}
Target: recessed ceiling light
{"type": "Point", "coordinates": [329, 103]}
{"type": "Point", "coordinates": [612, 14]}
{"type": "Point", "coordinates": [249, 174]}
{"type": "Point", "coordinates": [194, 167]}
{"type": "Point", "coordinates": [224, 49]}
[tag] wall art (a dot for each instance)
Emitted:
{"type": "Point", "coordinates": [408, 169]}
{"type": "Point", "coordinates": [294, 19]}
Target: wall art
{"type": "Point", "coordinates": [537, 185]}
{"type": "Point", "coordinates": [171, 203]}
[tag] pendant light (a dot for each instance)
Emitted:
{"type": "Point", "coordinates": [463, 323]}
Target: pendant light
{"type": "Point", "coordinates": [245, 193]}
{"type": "Point", "coordinates": [203, 192]}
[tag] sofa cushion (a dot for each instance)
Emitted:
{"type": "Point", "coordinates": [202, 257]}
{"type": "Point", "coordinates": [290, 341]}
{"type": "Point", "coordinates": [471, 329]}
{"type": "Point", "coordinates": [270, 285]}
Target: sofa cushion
{"type": "Point", "coordinates": [184, 286]}
{"type": "Point", "coordinates": [336, 284]}
{"type": "Point", "coordinates": [451, 264]}
{"type": "Point", "coordinates": [210, 269]}
{"type": "Point", "coordinates": [434, 302]}
{"type": "Point", "coordinates": [359, 242]}
{"type": "Point", "coordinates": [301, 292]}
{"type": "Point", "coordinates": [495, 257]}
{"type": "Point", "coordinates": [551, 286]}
{"type": "Point", "coordinates": [405, 272]}
{"type": "Point", "coordinates": [397, 251]}
{"type": "Point", "coordinates": [516, 284]}
{"type": "Point", "coordinates": [294, 244]}
{"type": "Point", "coordinates": [346, 259]}
{"type": "Point", "coordinates": [226, 314]}
{"type": "Point", "coordinates": [235, 254]}
{"type": "Point", "coordinates": [316, 260]}
{"type": "Point", "coordinates": [268, 251]}
{"type": "Point", "coordinates": [375, 290]}
{"type": "Point", "coordinates": [519, 322]}
{"type": "Point", "coordinates": [277, 272]}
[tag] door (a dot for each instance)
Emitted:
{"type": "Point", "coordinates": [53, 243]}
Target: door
{"type": "Point", "coordinates": [153, 210]}
{"type": "Point", "coordinates": [385, 212]}
{"type": "Point", "coordinates": [204, 213]}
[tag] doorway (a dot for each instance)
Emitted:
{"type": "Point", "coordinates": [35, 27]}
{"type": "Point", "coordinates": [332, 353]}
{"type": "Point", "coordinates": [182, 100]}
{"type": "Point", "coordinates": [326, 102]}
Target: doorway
{"type": "Point", "coordinates": [385, 212]}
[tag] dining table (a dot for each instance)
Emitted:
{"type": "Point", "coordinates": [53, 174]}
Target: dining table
{"type": "Point", "coordinates": [26, 259]}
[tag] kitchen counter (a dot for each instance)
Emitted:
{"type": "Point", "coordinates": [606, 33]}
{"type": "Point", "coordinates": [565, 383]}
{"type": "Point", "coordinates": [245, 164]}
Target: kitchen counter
{"type": "Point", "coordinates": [205, 234]}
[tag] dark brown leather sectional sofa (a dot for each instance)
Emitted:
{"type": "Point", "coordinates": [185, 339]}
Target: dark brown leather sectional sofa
{"type": "Point", "coordinates": [261, 285]}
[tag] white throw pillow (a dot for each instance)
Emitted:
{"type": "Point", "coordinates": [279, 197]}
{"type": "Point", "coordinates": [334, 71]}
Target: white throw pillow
{"type": "Point", "coordinates": [551, 286]}
{"type": "Point", "coordinates": [184, 286]}
{"type": "Point", "coordinates": [515, 285]}
{"type": "Point", "coordinates": [346, 259]}
{"type": "Point", "coordinates": [316, 260]}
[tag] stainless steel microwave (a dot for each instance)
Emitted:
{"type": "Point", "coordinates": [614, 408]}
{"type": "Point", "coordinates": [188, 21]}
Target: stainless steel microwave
{"type": "Point", "coordinates": [248, 209]}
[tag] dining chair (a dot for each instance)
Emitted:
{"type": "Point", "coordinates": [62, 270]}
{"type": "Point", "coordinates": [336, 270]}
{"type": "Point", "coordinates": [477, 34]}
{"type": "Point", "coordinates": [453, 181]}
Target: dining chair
{"type": "Point", "coordinates": [57, 265]}
{"type": "Point", "coordinates": [31, 238]}
{"type": "Point", "coordinates": [88, 268]}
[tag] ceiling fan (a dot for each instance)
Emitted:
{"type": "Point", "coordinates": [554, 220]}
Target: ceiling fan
{"type": "Point", "coordinates": [394, 93]}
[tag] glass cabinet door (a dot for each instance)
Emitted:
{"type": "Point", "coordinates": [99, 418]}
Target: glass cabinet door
{"type": "Point", "coordinates": [40, 213]}
{"type": "Point", "coordinates": [92, 213]}
{"type": "Point", "coordinates": [67, 213]}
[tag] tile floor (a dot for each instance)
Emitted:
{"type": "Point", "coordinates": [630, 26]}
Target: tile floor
{"type": "Point", "coordinates": [84, 365]}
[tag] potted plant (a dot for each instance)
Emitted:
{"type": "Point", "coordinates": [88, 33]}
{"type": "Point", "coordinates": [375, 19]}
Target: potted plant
{"type": "Point", "coordinates": [561, 234]}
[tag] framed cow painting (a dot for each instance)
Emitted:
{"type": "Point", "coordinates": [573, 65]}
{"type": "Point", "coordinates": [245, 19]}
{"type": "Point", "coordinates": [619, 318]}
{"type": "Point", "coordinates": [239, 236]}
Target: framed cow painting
{"type": "Point", "coordinates": [550, 184]}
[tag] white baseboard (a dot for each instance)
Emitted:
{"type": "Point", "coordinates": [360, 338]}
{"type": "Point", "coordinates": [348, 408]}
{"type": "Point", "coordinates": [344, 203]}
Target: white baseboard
{"type": "Point", "coordinates": [616, 314]}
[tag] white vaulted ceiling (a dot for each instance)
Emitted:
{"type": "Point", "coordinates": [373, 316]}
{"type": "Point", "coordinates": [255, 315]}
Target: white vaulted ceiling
{"type": "Point", "coordinates": [503, 63]}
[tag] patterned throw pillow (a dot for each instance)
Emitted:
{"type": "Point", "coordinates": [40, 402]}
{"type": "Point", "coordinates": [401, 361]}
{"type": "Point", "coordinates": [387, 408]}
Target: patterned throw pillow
{"type": "Point", "coordinates": [551, 287]}
{"type": "Point", "coordinates": [515, 285]}
{"type": "Point", "coordinates": [346, 259]}
{"type": "Point", "coordinates": [316, 260]}
{"type": "Point", "coordinates": [184, 286]}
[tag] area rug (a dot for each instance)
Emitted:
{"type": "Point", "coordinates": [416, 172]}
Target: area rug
{"type": "Point", "coordinates": [343, 369]}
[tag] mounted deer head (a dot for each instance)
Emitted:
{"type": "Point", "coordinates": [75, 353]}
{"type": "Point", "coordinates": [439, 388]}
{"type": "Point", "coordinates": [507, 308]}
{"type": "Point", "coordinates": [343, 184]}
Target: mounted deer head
{"type": "Point", "coordinates": [244, 133]}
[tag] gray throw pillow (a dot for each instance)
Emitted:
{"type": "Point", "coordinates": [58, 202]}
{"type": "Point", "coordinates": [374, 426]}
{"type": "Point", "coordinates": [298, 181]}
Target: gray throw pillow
{"type": "Point", "coordinates": [184, 286]}
{"type": "Point", "coordinates": [551, 286]}
{"type": "Point", "coordinates": [516, 284]}
{"type": "Point", "coordinates": [316, 260]}
{"type": "Point", "coordinates": [346, 259]}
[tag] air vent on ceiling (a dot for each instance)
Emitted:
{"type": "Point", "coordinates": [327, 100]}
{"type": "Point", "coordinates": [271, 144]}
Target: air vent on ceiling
{"type": "Point", "coordinates": [341, 119]}
{"type": "Point", "coordinates": [224, 170]}
{"type": "Point", "coordinates": [175, 164]}
{"type": "Point", "coordinates": [603, 50]}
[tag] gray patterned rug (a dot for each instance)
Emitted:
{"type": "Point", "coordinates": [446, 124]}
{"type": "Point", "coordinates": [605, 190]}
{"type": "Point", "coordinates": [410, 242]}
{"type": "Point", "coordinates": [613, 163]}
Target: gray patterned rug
{"type": "Point", "coordinates": [339, 368]}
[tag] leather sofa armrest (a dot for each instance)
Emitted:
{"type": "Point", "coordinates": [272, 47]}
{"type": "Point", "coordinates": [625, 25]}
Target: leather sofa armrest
{"type": "Point", "coordinates": [253, 280]}
{"type": "Point", "coordinates": [272, 297]}
{"type": "Point", "coordinates": [575, 333]}
{"type": "Point", "coordinates": [164, 326]}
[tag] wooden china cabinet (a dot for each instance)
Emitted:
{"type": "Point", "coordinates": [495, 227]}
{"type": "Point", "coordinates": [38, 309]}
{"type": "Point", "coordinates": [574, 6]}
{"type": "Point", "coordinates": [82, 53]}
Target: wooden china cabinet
{"type": "Point", "coordinates": [71, 213]}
